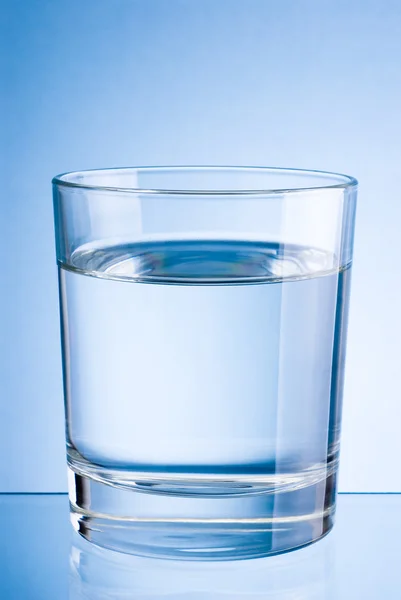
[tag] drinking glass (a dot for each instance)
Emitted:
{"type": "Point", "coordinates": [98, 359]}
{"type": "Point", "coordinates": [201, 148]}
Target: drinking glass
{"type": "Point", "coordinates": [203, 322]}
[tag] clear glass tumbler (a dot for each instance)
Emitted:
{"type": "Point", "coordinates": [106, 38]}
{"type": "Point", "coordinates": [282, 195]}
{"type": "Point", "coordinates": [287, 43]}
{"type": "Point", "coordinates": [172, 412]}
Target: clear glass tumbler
{"type": "Point", "coordinates": [203, 318]}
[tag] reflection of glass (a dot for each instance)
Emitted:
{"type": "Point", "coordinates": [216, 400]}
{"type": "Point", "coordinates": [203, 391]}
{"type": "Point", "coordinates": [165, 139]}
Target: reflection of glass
{"type": "Point", "coordinates": [204, 320]}
{"type": "Point", "coordinates": [100, 574]}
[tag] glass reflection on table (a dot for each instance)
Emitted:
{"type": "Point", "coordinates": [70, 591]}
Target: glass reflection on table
{"type": "Point", "coordinates": [100, 574]}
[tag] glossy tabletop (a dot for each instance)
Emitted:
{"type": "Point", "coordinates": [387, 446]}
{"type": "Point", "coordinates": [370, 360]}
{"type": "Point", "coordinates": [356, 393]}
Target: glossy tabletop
{"type": "Point", "coordinates": [43, 559]}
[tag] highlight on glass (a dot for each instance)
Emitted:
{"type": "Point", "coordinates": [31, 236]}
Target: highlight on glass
{"type": "Point", "coordinates": [203, 320]}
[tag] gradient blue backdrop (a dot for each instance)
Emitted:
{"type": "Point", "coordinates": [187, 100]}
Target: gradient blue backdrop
{"type": "Point", "coordinates": [97, 83]}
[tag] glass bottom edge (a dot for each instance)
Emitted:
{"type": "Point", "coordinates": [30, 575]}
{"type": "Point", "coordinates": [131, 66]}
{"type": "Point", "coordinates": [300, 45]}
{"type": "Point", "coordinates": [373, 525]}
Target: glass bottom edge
{"type": "Point", "coordinates": [202, 527]}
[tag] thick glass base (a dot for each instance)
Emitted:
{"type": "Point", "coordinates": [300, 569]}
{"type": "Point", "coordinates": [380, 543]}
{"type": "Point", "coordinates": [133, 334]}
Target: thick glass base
{"type": "Point", "coordinates": [200, 526]}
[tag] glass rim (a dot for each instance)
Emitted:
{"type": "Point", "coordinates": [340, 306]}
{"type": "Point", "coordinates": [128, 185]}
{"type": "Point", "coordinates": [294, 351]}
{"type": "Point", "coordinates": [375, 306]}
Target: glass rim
{"type": "Point", "coordinates": [335, 180]}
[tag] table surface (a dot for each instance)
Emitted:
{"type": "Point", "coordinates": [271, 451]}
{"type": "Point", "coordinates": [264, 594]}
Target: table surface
{"type": "Point", "coordinates": [43, 558]}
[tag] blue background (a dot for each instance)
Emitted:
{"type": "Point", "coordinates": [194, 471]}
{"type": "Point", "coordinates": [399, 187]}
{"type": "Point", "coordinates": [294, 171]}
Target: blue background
{"type": "Point", "coordinates": [309, 83]}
